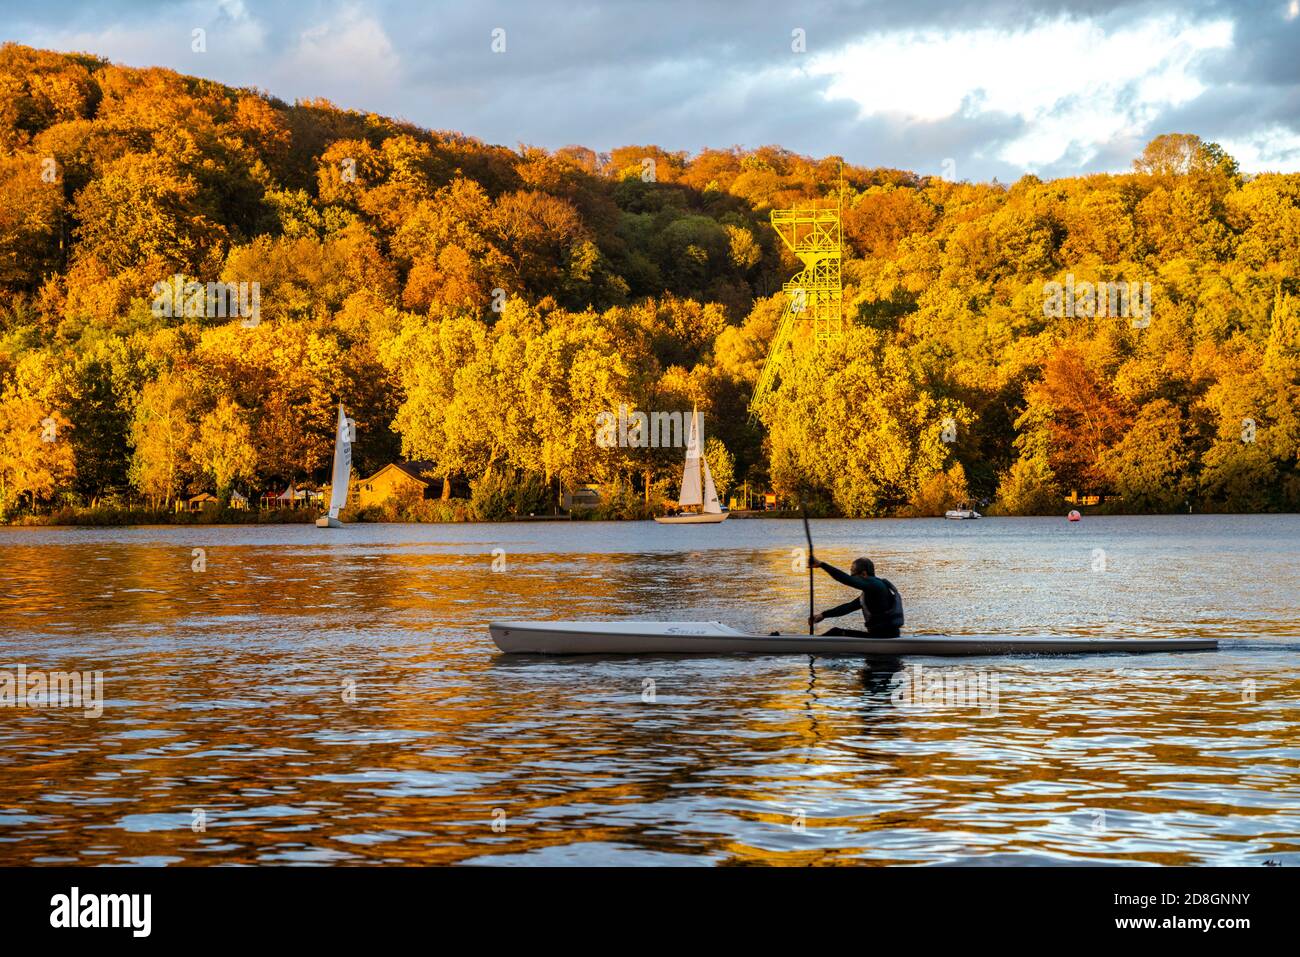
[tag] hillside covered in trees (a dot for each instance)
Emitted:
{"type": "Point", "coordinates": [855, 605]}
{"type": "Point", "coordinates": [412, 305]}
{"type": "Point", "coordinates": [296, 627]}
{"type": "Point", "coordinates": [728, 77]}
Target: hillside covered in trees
{"type": "Point", "coordinates": [476, 307]}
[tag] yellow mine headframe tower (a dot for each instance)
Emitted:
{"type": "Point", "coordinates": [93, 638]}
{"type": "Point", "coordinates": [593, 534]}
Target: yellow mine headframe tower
{"type": "Point", "coordinates": [816, 237]}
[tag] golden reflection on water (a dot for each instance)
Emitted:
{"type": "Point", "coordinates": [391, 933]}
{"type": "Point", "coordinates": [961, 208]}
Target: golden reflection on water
{"type": "Point", "coordinates": [338, 701]}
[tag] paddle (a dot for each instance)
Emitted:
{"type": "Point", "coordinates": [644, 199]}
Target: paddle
{"type": "Point", "coordinates": [812, 601]}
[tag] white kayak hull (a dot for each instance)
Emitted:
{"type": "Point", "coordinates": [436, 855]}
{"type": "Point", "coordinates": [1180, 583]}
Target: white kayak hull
{"type": "Point", "coordinates": [698, 518]}
{"type": "Point", "coordinates": [715, 638]}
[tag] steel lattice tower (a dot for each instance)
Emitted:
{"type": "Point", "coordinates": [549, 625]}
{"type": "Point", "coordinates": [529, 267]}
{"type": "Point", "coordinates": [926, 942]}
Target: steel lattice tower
{"type": "Point", "coordinates": [816, 237]}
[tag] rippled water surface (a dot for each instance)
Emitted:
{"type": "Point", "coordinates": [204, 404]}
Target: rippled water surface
{"type": "Point", "coordinates": [332, 697]}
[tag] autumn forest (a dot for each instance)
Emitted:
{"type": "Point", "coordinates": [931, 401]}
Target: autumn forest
{"type": "Point", "coordinates": [476, 307]}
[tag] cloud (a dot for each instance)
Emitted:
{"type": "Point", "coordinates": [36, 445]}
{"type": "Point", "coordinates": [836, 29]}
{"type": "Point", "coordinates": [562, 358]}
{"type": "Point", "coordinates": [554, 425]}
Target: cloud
{"type": "Point", "coordinates": [347, 55]}
{"type": "Point", "coordinates": [1074, 85]}
{"type": "Point", "coordinates": [1058, 86]}
{"type": "Point", "coordinates": [1276, 149]}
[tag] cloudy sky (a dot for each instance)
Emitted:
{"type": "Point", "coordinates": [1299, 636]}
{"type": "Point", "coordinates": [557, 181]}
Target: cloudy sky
{"type": "Point", "coordinates": [978, 90]}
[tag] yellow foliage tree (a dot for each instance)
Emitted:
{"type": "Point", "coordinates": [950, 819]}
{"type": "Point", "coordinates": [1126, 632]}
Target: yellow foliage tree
{"type": "Point", "coordinates": [223, 448]}
{"type": "Point", "coordinates": [36, 457]}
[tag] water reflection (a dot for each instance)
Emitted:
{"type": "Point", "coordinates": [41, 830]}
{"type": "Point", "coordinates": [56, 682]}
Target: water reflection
{"type": "Point", "coordinates": [335, 699]}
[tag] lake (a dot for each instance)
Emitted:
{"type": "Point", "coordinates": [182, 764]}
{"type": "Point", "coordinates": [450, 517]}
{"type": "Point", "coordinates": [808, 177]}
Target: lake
{"type": "Point", "coordinates": [291, 695]}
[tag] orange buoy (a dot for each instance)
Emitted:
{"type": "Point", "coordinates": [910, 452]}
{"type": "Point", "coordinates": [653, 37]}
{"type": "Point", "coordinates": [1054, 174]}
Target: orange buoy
{"type": "Point", "coordinates": [1074, 516]}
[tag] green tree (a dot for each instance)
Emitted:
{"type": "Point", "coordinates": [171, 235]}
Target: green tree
{"type": "Point", "coordinates": [100, 421]}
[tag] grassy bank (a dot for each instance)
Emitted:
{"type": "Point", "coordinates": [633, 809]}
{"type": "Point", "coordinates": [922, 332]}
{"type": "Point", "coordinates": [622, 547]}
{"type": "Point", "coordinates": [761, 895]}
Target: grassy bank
{"type": "Point", "coordinates": [114, 516]}
{"type": "Point", "coordinates": [431, 511]}
{"type": "Point", "coordinates": [440, 511]}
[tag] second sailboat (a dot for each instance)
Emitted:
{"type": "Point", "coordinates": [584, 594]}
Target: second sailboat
{"type": "Point", "coordinates": [697, 485]}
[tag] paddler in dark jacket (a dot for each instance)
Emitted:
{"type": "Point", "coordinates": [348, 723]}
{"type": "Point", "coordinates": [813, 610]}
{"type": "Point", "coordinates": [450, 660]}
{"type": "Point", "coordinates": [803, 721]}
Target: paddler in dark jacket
{"type": "Point", "coordinates": [879, 601]}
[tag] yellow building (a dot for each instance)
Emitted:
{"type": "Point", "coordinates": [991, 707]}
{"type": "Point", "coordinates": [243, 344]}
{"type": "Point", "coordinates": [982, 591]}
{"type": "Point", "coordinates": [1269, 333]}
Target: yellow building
{"type": "Point", "coordinates": [396, 480]}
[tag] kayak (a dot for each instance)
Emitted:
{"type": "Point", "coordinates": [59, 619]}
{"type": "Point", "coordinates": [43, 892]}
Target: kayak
{"type": "Point", "coordinates": [715, 638]}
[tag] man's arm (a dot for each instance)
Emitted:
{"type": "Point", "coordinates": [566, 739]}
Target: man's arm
{"type": "Point", "coordinates": [844, 609]}
{"type": "Point", "coordinates": [844, 578]}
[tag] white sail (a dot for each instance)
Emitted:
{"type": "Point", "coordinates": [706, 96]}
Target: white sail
{"type": "Point", "coordinates": [711, 504]}
{"type": "Point", "coordinates": [691, 491]}
{"type": "Point", "coordinates": [342, 473]}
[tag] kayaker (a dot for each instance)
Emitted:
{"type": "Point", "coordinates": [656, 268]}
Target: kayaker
{"type": "Point", "coordinates": [879, 601]}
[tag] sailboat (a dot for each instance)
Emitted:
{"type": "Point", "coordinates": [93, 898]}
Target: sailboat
{"type": "Point", "coordinates": [342, 473]}
{"type": "Point", "coordinates": [697, 486]}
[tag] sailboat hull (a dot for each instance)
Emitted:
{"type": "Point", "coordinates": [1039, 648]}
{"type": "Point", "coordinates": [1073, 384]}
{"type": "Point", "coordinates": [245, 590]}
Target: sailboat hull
{"type": "Point", "coordinates": [326, 522]}
{"type": "Point", "coordinates": [698, 518]}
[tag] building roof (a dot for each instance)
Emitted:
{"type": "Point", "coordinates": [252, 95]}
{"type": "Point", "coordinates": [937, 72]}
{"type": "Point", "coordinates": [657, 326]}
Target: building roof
{"type": "Point", "coordinates": [413, 469]}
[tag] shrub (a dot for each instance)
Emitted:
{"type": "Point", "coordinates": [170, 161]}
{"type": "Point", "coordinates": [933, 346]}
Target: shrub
{"type": "Point", "coordinates": [492, 497]}
{"type": "Point", "coordinates": [618, 501]}
{"type": "Point", "coordinates": [498, 497]}
{"type": "Point", "coordinates": [1029, 488]}
{"type": "Point", "coordinates": [938, 493]}
{"type": "Point", "coordinates": [532, 495]}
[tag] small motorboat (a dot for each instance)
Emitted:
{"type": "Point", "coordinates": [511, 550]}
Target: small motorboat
{"type": "Point", "coordinates": [715, 638]}
{"type": "Point", "coordinates": [961, 513]}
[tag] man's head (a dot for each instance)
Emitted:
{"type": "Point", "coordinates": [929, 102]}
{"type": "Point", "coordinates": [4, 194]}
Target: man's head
{"type": "Point", "coordinates": [863, 568]}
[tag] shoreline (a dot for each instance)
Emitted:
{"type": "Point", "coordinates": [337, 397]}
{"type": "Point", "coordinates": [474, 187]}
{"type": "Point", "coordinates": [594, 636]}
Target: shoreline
{"type": "Point", "coordinates": [308, 518]}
